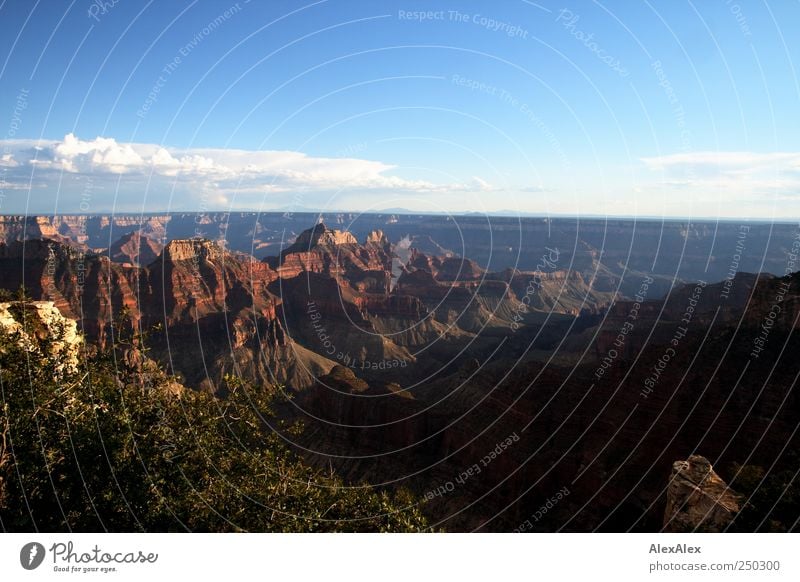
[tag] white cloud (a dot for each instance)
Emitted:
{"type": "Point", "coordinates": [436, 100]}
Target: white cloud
{"type": "Point", "coordinates": [481, 185]}
{"type": "Point", "coordinates": [8, 161]}
{"type": "Point", "coordinates": [724, 160]}
{"type": "Point", "coordinates": [225, 170]}
{"type": "Point", "coordinates": [745, 175]}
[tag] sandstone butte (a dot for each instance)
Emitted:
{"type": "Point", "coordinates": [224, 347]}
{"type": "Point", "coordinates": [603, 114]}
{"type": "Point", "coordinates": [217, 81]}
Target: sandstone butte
{"type": "Point", "coordinates": [698, 499]}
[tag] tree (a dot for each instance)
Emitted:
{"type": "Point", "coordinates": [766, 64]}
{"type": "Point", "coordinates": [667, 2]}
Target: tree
{"type": "Point", "coordinates": [109, 446]}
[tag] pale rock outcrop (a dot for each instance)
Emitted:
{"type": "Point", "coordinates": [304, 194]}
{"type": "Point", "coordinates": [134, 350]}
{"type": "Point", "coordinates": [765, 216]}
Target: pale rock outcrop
{"type": "Point", "coordinates": [321, 235]}
{"type": "Point", "coordinates": [192, 250]}
{"type": "Point", "coordinates": [377, 237]}
{"type": "Point", "coordinates": [698, 499]}
{"type": "Point", "coordinates": [42, 320]}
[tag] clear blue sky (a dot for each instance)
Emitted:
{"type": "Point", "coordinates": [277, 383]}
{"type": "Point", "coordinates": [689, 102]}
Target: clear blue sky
{"type": "Point", "coordinates": [653, 108]}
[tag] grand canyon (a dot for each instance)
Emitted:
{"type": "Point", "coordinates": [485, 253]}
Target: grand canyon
{"type": "Point", "coordinates": [512, 373]}
{"type": "Point", "coordinates": [416, 267]}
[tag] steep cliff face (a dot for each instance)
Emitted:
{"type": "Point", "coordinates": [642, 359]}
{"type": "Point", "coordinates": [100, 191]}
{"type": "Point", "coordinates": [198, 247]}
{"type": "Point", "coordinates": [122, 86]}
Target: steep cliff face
{"type": "Point", "coordinates": [674, 249]}
{"type": "Point", "coordinates": [357, 314]}
{"type": "Point", "coordinates": [321, 235]}
{"type": "Point", "coordinates": [471, 306]}
{"type": "Point", "coordinates": [191, 277]}
{"type": "Point", "coordinates": [433, 374]}
{"type": "Point", "coordinates": [698, 499]}
{"type": "Point", "coordinates": [328, 316]}
{"type": "Point", "coordinates": [338, 254]}
{"type": "Point", "coordinates": [230, 307]}
{"type": "Point", "coordinates": [220, 317]}
{"type": "Point", "coordinates": [458, 269]}
{"type": "Point", "coordinates": [318, 250]}
{"type": "Point", "coordinates": [377, 237]}
{"type": "Point", "coordinates": [458, 291]}
{"type": "Point", "coordinates": [17, 228]}
{"type": "Point", "coordinates": [84, 286]}
{"type": "Point", "coordinates": [213, 308]}
{"type": "Point", "coordinates": [135, 249]}
{"type": "Point", "coordinates": [611, 440]}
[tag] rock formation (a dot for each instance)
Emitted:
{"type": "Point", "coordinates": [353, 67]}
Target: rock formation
{"type": "Point", "coordinates": [434, 373]}
{"type": "Point", "coordinates": [672, 248]}
{"type": "Point", "coordinates": [698, 499]}
{"type": "Point", "coordinates": [39, 320]}
{"type": "Point", "coordinates": [135, 249]}
{"type": "Point", "coordinates": [244, 315]}
{"type": "Point", "coordinates": [337, 254]}
{"type": "Point", "coordinates": [377, 237]}
{"type": "Point", "coordinates": [321, 235]}
{"type": "Point", "coordinates": [212, 309]}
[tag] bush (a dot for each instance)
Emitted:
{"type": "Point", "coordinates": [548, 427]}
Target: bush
{"type": "Point", "coordinates": [773, 501]}
{"type": "Point", "coordinates": [113, 447]}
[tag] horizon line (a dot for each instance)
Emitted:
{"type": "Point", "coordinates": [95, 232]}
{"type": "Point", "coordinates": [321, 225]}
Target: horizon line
{"type": "Point", "coordinates": [407, 212]}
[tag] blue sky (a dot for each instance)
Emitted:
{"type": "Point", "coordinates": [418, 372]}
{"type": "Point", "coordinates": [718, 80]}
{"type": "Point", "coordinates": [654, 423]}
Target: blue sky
{"type": "Point", "coordinates": [660, 108]}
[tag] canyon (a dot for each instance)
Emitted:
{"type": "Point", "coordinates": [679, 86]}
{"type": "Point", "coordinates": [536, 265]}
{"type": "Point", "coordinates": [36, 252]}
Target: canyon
{"type": "Point", "coordinates": [600, 352]}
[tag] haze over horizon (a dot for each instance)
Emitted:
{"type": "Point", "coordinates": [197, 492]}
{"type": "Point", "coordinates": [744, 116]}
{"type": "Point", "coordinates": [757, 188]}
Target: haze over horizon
{"type": "Point", "coordinates": [537, 108]}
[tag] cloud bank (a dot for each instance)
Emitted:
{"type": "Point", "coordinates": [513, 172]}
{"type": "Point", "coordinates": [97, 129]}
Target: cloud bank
{"type": "Point", "coordinates": [219, 174]}
{"type": "Point", "coordinates": [746, 176]}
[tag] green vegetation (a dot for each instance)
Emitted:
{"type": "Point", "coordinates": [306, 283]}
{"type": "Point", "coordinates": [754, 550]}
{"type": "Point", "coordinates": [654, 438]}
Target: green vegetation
{"type": "Point", "coordinates": [773, 501]}
{"type": "Point", "coordinates": [121, 447]}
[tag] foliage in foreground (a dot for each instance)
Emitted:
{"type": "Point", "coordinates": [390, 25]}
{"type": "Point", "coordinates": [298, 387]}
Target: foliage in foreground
{"type": "Point", "coordinates": [772, 499]}
{"type": "Point", "coordinates": [109, 447]}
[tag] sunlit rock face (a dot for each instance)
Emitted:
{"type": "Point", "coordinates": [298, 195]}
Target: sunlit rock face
{"type": "Point", "coordinates": [324, 236]}
{"type": "Point", "coordinates": [698, 499]}
{"type": "Point", "coordinates": [33, 321]}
